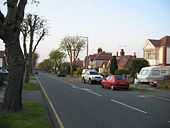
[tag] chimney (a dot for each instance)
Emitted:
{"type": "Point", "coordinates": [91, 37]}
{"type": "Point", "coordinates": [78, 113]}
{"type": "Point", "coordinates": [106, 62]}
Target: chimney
{"type": "Point", "coordinates": [117, 54]}
{"type": "Point", "coordinates": [122, 53]}
{"type": "Point", "coordinates": [134, 55]}
{"type": "Point", "coordinates": [99, 50]}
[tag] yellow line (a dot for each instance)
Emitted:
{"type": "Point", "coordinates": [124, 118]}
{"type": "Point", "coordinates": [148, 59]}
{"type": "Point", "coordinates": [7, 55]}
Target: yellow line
{"type": "Point", "coordinates": [51, 105]}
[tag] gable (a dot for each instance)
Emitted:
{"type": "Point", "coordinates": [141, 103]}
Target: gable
{"type": "Point", "coordinates": [148, 45]}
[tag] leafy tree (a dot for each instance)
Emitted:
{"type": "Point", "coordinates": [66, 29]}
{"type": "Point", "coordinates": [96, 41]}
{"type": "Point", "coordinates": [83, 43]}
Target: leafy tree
{"type": "Point", "coordinates": [113, 65]}
{"type": "Point", "coordinates": [73, 46]}
{"type": "Point", "coordinates": [46, 65]}
{"type": "Point", "coordinates": [137, 64]}
{"type": "Point", "coordinates": [35, 59]}
{"type": "Point", "coordinates": [37, 29]}
{"type": "Point", "coordinates": [57, 58]}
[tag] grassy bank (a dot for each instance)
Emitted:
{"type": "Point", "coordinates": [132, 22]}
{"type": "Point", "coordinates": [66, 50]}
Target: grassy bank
{"type": "Point", "coordinates": [33, 115]}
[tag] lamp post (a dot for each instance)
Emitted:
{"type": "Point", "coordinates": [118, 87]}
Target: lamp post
{"type": "Point", "coordinates": [86, 59]}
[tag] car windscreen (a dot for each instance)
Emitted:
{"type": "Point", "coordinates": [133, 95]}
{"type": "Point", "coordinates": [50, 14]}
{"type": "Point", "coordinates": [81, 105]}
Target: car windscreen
{"type": "Point", "coordinates": [121, 78]}
{"type": "Point", "coordinates": [94, 73]}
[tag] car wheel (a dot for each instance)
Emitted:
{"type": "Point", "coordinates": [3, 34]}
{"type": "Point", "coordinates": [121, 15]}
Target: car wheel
{"type": "Point", "coordinates": [90, 81]}
{"type": "Point", "coordinates": [112, 87]}
{"type": "Point", "coordinates": [84, 81]}
{"type": "Point", "coordinates": [102, 85]}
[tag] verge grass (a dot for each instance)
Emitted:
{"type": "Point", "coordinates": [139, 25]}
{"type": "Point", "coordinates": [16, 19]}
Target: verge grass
{"type": "Point", "coordinates": [33, 115]}
{"type": "Point", "coordinates": [31, 86]}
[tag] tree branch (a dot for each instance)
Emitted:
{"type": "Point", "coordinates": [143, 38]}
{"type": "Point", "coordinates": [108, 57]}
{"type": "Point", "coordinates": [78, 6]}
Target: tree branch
{"type": "Point", "coordinates": [20, 12]}
{"type": "Point", "coordinates": [40, 38]}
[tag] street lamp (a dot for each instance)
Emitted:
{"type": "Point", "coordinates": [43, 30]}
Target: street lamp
{"type": "Point", "coordinates": [86, 60]}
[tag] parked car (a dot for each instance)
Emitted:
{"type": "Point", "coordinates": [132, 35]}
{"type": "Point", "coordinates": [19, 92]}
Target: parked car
{"type": "Point", "coordinates": [154, 82]}
{"type": "Point", "coordinates": [83, 73]}
{"type": "Point", "coordinates": [91, 76]}
{"type": "Point", "coordinates": [4, 73]}
{"type": "Point", "coordinates": [115, 81]}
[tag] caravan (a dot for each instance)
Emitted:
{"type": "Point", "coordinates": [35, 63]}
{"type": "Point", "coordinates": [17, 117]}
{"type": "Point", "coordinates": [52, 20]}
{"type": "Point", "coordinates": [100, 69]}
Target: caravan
{"type": "Point", "coordinates": [154, 72]}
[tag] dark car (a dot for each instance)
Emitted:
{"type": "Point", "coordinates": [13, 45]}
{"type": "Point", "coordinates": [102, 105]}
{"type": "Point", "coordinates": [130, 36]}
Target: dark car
{"type": "Point", "coordinates": [154, 82]}
{"type": "Point", "coordinates": [115, 81]}
{"type": "Point", "coordinates": [3, 73]}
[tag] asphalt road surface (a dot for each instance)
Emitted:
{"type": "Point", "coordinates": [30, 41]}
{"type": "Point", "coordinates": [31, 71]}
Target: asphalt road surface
{"type": "Point", "coordinates": [79, 105]}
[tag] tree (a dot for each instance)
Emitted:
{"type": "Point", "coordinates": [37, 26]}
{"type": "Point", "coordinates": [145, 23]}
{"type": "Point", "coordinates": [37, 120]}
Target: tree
{"type": "Point", "coordinates": [57, 58]}
{"type": "Point", "coordinates": [36, 28]}
{"type": "Point", "coordinates": [46, 65]}
{"type": "Point", "coordinates": [73, 46]}
{"type": "Point", "coordinates": [137, 64]}
{"type": "Point", "coordinates": [35, 59]}
{"type": "Point", "coordinates": [113, 65]}
{"type": "Point", "coordinates": [10, 33]}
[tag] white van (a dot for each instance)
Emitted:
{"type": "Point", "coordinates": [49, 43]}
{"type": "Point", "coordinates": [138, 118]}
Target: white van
{"type": "Point", "coordinates": [148, 73]}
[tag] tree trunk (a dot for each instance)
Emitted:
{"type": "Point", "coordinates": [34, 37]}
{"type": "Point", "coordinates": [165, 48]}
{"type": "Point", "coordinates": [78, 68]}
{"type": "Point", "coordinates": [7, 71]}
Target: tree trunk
{"type": "Point", "coordinates": [13, 93]}
{"type": "Point", "coordinates": [27, 72]}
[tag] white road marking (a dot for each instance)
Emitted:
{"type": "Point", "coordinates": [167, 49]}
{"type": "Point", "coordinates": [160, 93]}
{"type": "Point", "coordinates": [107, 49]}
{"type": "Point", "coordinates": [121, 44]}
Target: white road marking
{"type": "Point", "coordinates": [139, 110]}
{"type": "Point", "coordinates": [51, 105]}
{"type": "Point", "coordinates": [84, 89]}
{"type": "Point", "coordinates": [168, 121]}
{"type": "Point", "coordinates": [93, 93]}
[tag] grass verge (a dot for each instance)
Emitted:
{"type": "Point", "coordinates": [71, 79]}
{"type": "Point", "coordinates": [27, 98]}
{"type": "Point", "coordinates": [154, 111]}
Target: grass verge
{"type": "Point", "coordinates": [31, 86]}
{"type": "Point", "coordinates": [135, 89]}
{"type": "Point", "coordinates": [33, 115]}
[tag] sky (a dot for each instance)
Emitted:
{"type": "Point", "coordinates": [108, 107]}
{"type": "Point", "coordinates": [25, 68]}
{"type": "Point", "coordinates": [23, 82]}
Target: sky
{"type": "Point", "coordinates": [110, 24]}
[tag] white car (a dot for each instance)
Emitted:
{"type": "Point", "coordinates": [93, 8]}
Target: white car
{"type": "Point", "coordinates": [91, 76]}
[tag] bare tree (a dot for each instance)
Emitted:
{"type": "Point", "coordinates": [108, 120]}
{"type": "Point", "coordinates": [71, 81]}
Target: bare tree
{"type": "Point", "coordinates": [37, 29]}
{"type": "Point", "coordinates": [73, 46]}
{"type": "Point", "coordinates": [10, 33]}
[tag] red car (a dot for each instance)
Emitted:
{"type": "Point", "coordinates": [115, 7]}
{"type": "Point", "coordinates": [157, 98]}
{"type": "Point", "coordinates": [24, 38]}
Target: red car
{"type": "Point", "coordinates": [115, 81]}
{"type": "Point", "coordinates": [154, 82]}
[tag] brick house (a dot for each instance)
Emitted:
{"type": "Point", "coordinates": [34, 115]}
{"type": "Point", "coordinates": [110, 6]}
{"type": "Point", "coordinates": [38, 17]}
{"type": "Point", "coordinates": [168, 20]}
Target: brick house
{"type": "Point", "coordinates": [97, 59]}
{"type": "Point", "coordinates": [157, 52]}
{"type": "Point", "coordinates": [123, 61]}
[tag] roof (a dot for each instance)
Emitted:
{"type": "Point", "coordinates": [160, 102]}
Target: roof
{"type": "Point", "coordinates": [122, 61]}
{"type": "Point", "coordinates": [101, 56]}
{"type": "Point", "coordinates": [2, 54]}
{"type": "Point", "coordinates": [165, 41]}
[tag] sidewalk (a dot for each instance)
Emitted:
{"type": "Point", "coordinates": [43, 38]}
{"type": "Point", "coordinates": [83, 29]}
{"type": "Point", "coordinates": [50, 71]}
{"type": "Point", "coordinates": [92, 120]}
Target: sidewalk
{"type": "Point", "coordinates": [27, 95]}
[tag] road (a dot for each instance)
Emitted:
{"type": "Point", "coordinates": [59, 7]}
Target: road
{"type": "Point", "coordinates": [79, 105]}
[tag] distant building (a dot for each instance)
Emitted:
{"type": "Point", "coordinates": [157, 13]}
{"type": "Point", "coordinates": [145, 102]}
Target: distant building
{"type": "Point", "coordinates": [123, 61]}
{"type": "Point", "coordinates": [157, 52]}
{"type": "Point", "coordinates": [97, 59]}
{"type": "Point", "coordinates": [79, 63]}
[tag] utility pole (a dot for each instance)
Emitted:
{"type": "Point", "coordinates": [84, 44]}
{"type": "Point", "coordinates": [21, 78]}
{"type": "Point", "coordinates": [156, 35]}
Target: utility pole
{"type": "Point", "coordinates": [87, 40]}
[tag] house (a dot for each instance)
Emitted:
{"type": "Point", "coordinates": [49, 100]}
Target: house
{"type": "Point", "coordinates": [97, 59]}
{"type": "Point", "coordinates": [123, 61]}
{"type": "Point", "coordinates": [2, 58]}
{"type": "Point", "coordinates": [157, 52]}
{"type": "Point", "coordinates": [79, 63]}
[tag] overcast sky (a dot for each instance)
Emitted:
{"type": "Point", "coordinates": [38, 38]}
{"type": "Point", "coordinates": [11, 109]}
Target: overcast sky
{"type": "Point", "coordinates": [110, 24]}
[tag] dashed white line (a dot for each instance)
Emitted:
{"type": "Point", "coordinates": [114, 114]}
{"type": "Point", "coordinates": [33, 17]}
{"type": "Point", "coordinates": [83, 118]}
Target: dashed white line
{"type": "Point", "coordinates": [93, 93]}
{"type": "Point", "coordinates": [139, 110]}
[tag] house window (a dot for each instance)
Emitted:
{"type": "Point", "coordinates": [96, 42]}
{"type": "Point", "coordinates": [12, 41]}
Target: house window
{"type": "Point", "coordinates": [155, 72]}
{"type": "Point", "coordinates": [149, 54]}
{"type": "Point", "coordinates": [163, 71]}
